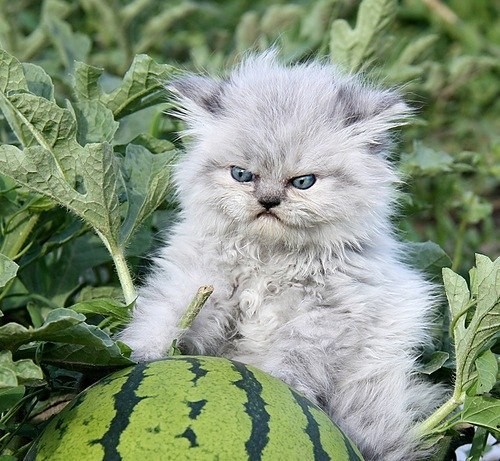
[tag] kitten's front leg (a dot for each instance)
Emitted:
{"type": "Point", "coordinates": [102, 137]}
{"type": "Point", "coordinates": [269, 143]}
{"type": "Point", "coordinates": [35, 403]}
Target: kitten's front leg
{"type": "Point", "coordinates": [160, 305]}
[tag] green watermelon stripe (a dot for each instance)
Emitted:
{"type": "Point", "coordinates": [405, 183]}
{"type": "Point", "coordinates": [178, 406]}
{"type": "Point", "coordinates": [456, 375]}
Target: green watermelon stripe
{"type": "Point", "coordinates": [255, 408]}
{"type": "Point", "coordinates": [195, 408]}
{"type": "Point", "coordinates": [125, 402]}
{"type": "Point", "coordinates": [190, 435]}
{"type": "Point", "coordinates": [196, 368]}
{"type": "Point", "coordinates": [312, 428]}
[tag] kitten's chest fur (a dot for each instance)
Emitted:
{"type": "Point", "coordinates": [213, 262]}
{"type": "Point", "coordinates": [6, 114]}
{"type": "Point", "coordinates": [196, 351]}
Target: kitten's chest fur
{"type": "Point", "coordinates": [267, 294]}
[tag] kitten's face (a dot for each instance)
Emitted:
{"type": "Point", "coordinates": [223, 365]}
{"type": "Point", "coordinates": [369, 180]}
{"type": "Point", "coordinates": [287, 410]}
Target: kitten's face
{"type": "Point", "coordinates": [282, 163]}
{"type": "Point", "coordinates": [295, 188]}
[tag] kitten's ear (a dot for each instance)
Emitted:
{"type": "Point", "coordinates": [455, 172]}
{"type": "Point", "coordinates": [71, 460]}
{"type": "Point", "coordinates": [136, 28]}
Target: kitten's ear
{"type": "Point", "coordinates": [204, 92]}
{"type": "Point", "coordinates": [371, 114]}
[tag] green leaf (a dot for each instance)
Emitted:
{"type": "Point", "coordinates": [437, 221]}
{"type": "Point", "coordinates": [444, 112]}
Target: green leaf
{"type": "Point", "coordinates": [487, 370]}
{"type": "Point", "coordinates": [457, 293]}
{"type": "Point", "coordinates": [484, 324]}
{"type": "Point", "coordinates": [482, 411]}
{"type": "Point", "coordinates": [476, 209]}
{"type": "Point", "coordinates": [104, 306]}
{"type": "Point", "coordinates": [8, 270]}
{"type": "Point", "coordinates": [39, 123]}
{"type": "Point", "coordinates": [353, 48]}
{"type": "Point", "coordinates": [86, 82]}
{"type": "Point", "coordinates": [90, 293]}
{"type": "Point", "coordinates": [428, 257]}
{"type": "Point", "coordinates": [147, 180]}
{"type": "Point", "coordinates": [38, 81]}
{"type": "Point", "coordinates": [142, 86]}
{"type": "Point", "coordinates": [405, 68]}
{"type": "Point", "coordinates": [478, 444]}
{"type": "Point", "coordinates": [154, 145]}
{"type": "Point", "coordinates": [13, 374]}
{"type": "Point", "coordinates": [11, 74]}
{"type": "Point", "coordinates": [7, 377]}
{"type": "Point", "coordinates": [95, 122]}
{"type": "Point", "coordinates": [436, 362]}
{"type": "Point", "coordinates": [96, 200]}
{"type": "Point", "coordinates": [59, 275]}
{"type": "Point", "coordinates": [415, 49]}
{"type": "Point", "coordinates": [89, 348]}
{"type": "Point", "coordinates": [78, 344]}
{"type": "Point", "coordinates": [57, 327]}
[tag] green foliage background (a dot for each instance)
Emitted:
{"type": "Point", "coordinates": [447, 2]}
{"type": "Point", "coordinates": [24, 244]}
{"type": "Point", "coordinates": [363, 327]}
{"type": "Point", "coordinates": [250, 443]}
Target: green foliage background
{"type": "Point", "coordinates": [59, 291]}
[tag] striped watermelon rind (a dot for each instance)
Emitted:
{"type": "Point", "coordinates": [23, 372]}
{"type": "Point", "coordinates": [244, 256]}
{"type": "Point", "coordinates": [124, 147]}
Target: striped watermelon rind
{"type": "Point", "coordinates": [192, 408]}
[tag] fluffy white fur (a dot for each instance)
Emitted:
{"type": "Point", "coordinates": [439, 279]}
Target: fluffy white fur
{"type": "Point", "coordinates": [314, 291]}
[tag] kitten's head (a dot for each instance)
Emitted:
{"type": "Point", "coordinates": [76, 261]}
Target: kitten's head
{"type": "Point", "coordinates": [289, 154]}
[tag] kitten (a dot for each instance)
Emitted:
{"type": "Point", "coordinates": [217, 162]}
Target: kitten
{"type": "Point", "coordinates": [286, 195]}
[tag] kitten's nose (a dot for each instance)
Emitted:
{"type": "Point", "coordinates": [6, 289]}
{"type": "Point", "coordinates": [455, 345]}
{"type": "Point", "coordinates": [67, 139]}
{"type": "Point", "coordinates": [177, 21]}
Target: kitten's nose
{"type": "Point", "coordinates": [270, 202]}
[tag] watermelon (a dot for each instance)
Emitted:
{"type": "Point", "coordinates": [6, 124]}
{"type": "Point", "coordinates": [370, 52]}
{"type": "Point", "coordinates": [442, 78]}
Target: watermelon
{"type": "Point", "coordinates": [191, 408]}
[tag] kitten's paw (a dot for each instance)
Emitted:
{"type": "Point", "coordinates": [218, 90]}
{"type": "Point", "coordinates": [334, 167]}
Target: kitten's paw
{"type": "Point", "coordinates": [145, 351]}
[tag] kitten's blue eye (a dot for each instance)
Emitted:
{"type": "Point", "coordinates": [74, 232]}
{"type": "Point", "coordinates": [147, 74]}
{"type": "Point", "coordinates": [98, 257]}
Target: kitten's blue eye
{"type": "Point", "coordinates": [241, 175]}
{"type": "Point", "coordinates": [303, 182]}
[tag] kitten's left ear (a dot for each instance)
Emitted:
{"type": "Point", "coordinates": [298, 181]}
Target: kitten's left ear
{"type": "Point", "coordinates": [205, 92]}
{"type": "Point", "coordinates": [372, 113]}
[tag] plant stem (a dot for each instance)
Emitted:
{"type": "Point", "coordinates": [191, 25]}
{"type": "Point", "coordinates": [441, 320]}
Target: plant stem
{"type": "Point", "coordinates": [427, 427]}
{"type": "Point", "coordinates": [22, 225]}
{"type": "Point", "coordinates": [124, 276]}
{"type": "Point", "coordinates": [192, 311]}
{"type": "Point", "coordinates": [195, 306]}
{"type": "Point", "coordinates": [116, 252]}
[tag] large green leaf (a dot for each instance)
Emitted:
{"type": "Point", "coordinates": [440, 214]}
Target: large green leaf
{"type": "Point", "coordinates": [36, 120]}
{"type": "Point", "coordinates": [354, 48]}
{"type": "Point", "coordinates": [57, 327]}
{"type": "Point", "coordinates": [95, 200]}
{"type": "Point", "coordinates": [98, 351]}
{"type": "Point", "coordinates": [474, 336]}
{"type": "Point", "coordinates": [78, 343]}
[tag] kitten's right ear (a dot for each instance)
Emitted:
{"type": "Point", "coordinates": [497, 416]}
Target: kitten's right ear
{"type": "Point", "coordinates": [205, 92]}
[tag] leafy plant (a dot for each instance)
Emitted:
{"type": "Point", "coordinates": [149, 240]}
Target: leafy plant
{"type": "Point", "coordinates": [474, 327]}
{"type": "Point", "coordinates": [66, 154]}
{"type": "Point", "coordinates": [86, 155]}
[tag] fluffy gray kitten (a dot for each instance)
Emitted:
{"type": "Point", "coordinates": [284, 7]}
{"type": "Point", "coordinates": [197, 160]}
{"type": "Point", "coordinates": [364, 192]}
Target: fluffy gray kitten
{"type": "Point", "coordinates": [286, 196]}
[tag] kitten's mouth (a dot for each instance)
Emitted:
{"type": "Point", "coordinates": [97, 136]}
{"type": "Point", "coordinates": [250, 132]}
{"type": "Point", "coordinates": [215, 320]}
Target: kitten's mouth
{"type": "Point", "coordinates": [268, 214]}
